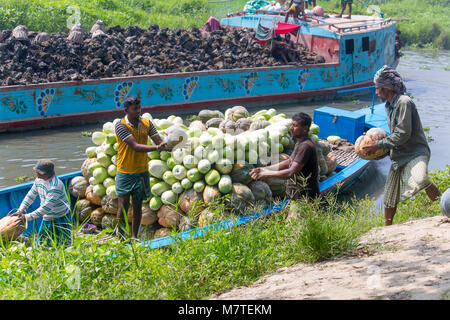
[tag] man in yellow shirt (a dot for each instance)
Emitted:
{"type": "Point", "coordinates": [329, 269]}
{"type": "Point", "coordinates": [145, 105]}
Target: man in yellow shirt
{"type": "Point", "coordinates": [132, 176]}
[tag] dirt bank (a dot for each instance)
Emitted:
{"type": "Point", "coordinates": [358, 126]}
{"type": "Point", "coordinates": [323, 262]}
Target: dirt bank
{"type": "Point", "coordinates": [408, 261]}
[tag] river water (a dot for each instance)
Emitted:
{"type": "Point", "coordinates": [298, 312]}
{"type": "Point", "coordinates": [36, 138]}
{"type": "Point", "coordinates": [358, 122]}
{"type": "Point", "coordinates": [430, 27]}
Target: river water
{"type": "Point", "coordinates": [425, 78]}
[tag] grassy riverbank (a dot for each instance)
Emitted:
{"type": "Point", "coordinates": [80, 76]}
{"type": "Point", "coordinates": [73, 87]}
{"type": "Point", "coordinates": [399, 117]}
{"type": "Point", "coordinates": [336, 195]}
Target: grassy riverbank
{"type": "Point", "coordinates": [427, 26]}
{"type": "Point", "coordinates": [195, 269]}
{"type": "Point", "coordinates": [427, 23]}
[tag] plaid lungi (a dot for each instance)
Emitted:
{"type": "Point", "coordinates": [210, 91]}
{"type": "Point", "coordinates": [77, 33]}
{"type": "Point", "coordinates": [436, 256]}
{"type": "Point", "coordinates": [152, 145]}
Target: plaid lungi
{"type": "Point", "coordinates": [406, 181]}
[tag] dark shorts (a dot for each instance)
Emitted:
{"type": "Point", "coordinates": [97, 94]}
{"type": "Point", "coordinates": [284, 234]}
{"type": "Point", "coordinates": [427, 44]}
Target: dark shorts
{"type": "Point", "coordinates": [136, 184]}
{"type": "Point", "coordinates": [348, 1]}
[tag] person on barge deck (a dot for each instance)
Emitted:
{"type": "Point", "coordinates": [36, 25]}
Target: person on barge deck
{"type": "Point", "coordinates": [407, 145]}
{"type": "Point", "coordinates": [310, 2]}
{"type": "Point", "coordinates": [278, 50]}
{"type": "Point", "coordinates": [290, 49]}
{"type": "Point", "coordinates": [344, 4]}
{"type": "Point", "coordinates": [295, 8]}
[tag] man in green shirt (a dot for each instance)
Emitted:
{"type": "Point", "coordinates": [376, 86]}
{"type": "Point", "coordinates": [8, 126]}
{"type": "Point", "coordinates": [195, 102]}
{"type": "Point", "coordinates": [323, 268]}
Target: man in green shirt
{"type": "Point", "coordinates": [407, 144]}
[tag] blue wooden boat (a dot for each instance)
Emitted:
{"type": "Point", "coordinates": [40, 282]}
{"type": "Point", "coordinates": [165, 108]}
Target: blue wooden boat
{"type": "Point", "coordinates": [353, 49]}
{"type": "Point", "coordinates": [345, 176]}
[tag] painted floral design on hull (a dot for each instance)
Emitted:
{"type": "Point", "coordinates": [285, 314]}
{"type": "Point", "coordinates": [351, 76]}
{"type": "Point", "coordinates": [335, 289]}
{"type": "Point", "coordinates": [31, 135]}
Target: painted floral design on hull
{"type": "Point", "coordinates": [301, 78]}
{"type": "Point", "coordinates": [44, 100]}
{"type": "Point", "coordinates": [250, 81]}
{"type": "Point", "coordinates": [188, 87]}
{"type": "Point", "coordinates": [121, 92]}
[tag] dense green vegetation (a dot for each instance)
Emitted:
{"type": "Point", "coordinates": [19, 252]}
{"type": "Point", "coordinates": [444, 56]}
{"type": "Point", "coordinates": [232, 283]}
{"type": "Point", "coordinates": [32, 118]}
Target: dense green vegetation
{"type": "Point", "coordinates": [427, 25]}
{"type": "Point", "coordinates": [53, 15]}
{"type": "Point", "coordinates": [194, 269]}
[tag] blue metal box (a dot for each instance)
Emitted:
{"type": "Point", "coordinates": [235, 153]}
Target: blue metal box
{"type": "Point", "coordinates": [339, 122]}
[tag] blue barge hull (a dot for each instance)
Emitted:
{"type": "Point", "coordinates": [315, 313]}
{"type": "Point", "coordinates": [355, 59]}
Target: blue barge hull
{"type": "Point", "coordinates": [353, 51]}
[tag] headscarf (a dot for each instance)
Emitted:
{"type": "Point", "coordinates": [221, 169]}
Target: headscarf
{"type": "Point", "coordinates": [211, 25]}
{"type": "Point", "coordinates": [389, 78]}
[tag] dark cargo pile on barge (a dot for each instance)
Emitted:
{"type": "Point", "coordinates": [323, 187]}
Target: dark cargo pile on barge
{"type": "Point", "coordinates": [28, 57]}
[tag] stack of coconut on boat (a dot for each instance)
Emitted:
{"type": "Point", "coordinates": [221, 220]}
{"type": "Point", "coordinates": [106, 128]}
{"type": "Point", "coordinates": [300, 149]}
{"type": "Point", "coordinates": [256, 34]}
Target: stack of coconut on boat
{"type": "Point", "coordinates": [212, 157]}
{"type": "Point", "coordinates": [28, 57]}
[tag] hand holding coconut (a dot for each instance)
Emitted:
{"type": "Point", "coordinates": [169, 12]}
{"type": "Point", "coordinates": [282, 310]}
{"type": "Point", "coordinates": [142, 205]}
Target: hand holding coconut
{"type": "Point", "coordinates": [175, 137]}
{"type": "Point", "coordinates": [163, 147]}
{"type": "Point", "coordinates": [366, 145]}
{"type": "Point", "coordinates": [20, 215]}
{"type": "Point", "coordinates": [370, 150]}
{"type": "Point", "coordinates": [11, 227]}
{"type": "Point", "coordinates": [254, 173]}
{"type": "Point", "coordinates": [258, 173]}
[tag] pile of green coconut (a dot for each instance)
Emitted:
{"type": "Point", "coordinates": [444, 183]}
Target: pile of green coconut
{"type": "Point", "coordinates": [209, 164]}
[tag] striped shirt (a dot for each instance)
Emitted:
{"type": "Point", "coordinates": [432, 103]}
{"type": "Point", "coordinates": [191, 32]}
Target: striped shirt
{"type": "Point", "coordinates": [129, 160]}
{"type": "Point", "coordinates": [124, 133]}
{"type": "Point", "coordinates": [53, 197]}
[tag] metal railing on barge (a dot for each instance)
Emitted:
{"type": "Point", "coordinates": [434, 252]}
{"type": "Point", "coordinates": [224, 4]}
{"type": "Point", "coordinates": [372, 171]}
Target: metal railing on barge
{"type": "Point", "coordinates": [319, 22]}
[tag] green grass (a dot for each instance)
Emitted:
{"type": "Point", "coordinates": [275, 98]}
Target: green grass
{"type": "Point", "coordinates": [196, 268]}
{"type": "Point", "coordinates": [427, 26]}
{"type": "Point", "coordinates": [53, 15]}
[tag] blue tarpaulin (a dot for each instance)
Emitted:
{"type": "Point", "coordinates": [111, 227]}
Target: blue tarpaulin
{"type": "Point", "coordinates": [253, 5]}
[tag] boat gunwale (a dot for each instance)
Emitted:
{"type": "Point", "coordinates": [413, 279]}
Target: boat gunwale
{"type": "Point", "coordinates": [28, 184]}
{"type": "Point", "coordinates": [163, 76]}
{"type": "Point", "coordinates": [16, 124]}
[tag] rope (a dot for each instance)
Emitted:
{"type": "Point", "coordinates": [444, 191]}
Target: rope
{"type": "Point", "coordinates": [381, 13]}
